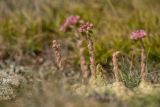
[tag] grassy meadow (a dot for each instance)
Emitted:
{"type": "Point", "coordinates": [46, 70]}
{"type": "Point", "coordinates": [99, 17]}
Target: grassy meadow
{"type": "Point", "coordinates": [27, 61]}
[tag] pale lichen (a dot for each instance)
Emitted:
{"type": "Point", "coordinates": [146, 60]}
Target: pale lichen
{"type": "Point", "coordinates": [146, 88]}
{"type": "Point", "coordinates": [99, 79]}
{"type": "Point", "coordinates": [10, 83]}
{"type": "Point", "coordinates": [120, 90]}
{"type": "Point", "coordinates": [96, 84]}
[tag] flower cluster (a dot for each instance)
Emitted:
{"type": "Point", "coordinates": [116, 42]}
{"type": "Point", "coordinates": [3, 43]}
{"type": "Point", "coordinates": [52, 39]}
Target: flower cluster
{"type": "Point", "coordinates": [138, 34]}
{"type": "Point", "coordinates": [85, 27]}
{"type": "Point", "coordinates": [71, 20]}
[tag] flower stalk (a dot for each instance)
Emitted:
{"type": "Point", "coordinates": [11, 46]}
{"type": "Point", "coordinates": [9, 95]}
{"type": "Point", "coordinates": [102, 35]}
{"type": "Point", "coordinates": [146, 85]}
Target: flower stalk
{"type": "Point", "coordinates": [92, 57]}
{"type": "Point", "coordinates": [81, 54]}
{"type": "Point", "coordinates": [85, 28]}
{"type": "Point", "coordinates": [139, 35]}
{"type": "Point", "coordinates": [82, 59]}
{"type": "Point", "coordinates": [57, 53]}
{"type": "Point", "coordinates": [143, 65]}
{"type": "Point", "coordinates": [115, 66]}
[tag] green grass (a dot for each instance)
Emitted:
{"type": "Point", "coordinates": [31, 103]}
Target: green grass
{"type": "Point", "coordinates": [113, 21]}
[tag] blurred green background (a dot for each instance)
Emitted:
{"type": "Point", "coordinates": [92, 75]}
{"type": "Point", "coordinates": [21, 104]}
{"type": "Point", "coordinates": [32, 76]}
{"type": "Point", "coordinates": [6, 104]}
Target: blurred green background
{"type": "Point", "coordinates": [28, 26]}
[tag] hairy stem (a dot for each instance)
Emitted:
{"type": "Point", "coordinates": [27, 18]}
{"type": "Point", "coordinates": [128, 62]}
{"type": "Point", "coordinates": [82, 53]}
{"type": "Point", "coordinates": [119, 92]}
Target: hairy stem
{"type": "Point", "coordinates": [82, 59]}
{"type": "Point", "coordinates": [56, 47]}
{"type": "Point", "coordinates": [143, 65]}
{"type": "Point", "coordinates": [115, 66]}
{"type": "Point", "coordinates": [81, 54]}
{"type": "Point", "coordinates": [92, 58]}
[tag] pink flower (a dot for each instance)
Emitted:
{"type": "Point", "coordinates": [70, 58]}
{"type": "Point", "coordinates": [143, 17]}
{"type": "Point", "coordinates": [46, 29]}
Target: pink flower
{"type": "Point", "coordinates": [71, 20]}
{"type": "Point", "coordinates": [85, 27]}
{"type": "Point", "coordinates": [138, 34]}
